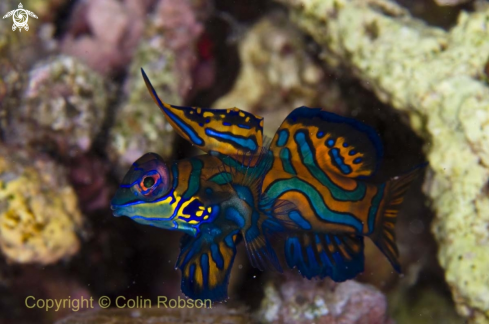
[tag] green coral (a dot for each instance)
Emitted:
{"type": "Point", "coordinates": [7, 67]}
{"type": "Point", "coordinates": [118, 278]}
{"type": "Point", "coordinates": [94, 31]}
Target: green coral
{"type": "Point", "coordinates": [39, 216]}
{"type": "Point", "coordinates": [436, 78]}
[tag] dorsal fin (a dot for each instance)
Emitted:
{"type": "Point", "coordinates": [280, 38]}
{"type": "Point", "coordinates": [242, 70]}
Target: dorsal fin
{"type": "Point", "coordinates": [320, 139]}
{"type": "Point", "coordinates": [226, 131]}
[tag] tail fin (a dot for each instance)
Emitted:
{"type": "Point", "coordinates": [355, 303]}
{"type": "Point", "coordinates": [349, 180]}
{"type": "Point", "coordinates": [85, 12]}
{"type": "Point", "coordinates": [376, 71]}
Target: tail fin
{"type": "Point", "coordinates": [384, 235]}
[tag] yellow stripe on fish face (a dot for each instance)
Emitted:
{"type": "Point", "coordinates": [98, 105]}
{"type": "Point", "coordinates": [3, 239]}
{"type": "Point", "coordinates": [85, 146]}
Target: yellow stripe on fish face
{"type": "Point", "coordinates": [180, 213]}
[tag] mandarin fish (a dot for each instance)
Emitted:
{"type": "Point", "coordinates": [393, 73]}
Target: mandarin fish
{"type": "Point", "coordinates": [303, 200]}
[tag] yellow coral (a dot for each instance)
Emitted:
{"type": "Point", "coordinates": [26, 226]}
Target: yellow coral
{"type": "Point", "coordinates": [39, 216]}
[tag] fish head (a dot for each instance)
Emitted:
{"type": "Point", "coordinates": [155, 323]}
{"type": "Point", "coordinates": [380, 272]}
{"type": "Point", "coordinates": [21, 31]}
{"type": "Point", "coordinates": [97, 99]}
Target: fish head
{"type": "Point", "coordinates": [145, 194]}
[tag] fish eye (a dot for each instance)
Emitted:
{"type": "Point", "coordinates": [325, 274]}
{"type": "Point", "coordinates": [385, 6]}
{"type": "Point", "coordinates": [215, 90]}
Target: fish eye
{"type": "Point", "coordinates": [149, 182]}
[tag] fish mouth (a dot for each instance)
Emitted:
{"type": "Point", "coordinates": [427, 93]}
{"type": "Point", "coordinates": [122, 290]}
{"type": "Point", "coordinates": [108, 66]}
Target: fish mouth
{"type": "Point", "coordinates": [117, 211]}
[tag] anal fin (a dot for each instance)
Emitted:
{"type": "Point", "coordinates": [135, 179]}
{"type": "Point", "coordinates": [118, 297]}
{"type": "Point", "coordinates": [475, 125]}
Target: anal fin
{"type": "Point", "coordinates": [325, 255]}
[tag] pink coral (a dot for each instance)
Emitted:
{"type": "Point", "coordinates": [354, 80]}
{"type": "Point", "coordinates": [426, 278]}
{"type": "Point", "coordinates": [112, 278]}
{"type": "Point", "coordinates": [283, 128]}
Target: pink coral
{"type": "Point", "coordinates": [104, 33]}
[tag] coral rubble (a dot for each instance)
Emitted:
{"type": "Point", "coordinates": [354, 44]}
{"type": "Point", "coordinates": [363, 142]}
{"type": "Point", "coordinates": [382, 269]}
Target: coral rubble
{"type": "Point", "coordinates": [326, 302]}
{"type": "Point", "coordinates": [436, 77]}
{"type": "Point", "coordinates": [62, 108]}
{"type": "Point", "coordinates": [39, 216]}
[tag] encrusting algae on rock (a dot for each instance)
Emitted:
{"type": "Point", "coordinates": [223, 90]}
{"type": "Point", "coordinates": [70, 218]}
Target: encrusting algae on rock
{"type": "Point", "coordinates": [63, 108]}
{"type": "Point", "coordinates": [39, 216]}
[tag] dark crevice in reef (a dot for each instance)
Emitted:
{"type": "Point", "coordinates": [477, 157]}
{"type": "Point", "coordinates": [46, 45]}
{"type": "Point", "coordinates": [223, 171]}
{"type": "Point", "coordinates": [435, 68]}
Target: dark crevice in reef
{"type": "Point", "coordinates": [433, 14]}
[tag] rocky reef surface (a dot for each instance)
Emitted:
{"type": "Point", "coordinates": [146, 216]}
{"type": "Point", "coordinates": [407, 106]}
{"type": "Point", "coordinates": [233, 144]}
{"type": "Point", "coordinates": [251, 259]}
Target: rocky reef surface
{"type": "Point", "coordinates": [63, 106]}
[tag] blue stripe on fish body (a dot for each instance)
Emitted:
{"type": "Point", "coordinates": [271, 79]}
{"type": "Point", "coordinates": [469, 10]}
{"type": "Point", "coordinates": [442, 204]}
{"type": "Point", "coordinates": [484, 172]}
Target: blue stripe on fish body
{"type": "Point", "coordinates": [374, 207]}
{"type": "Point", "coordinates": [244, 193]}
{"type": "Point", "coordinates": [338, 161]}
{"type": "Point", "coordinates": [321, 210]}
{"type": "Point", "coordinates": [246, 143]}
{"type": "Point", "coordinates": [194, 137]}
{"type": "Point", "coordinates": [286, 162]}
{"type": "Point", "coordinates": [222, 178]}
{"type": "Point", "coordinates": [194, 180]}
{"type": "Point", "coordinates": [234, 215]}
{"type": "Point", "coordinates": [311, 113]}
{"type": "Point", "coordinates": [299, 220]}
{"type": "Point", "coordinates": [204, 265]}
{"type": "Point", "coordinates": [253, 232]}
{"type": "Point", "coordinates": [192, 270]}
{"type": "Point", "coordinates": [217, 256]}
{"type": "Point", "coordinates": [283, 136]}
{"type": "Point", "coordinates": [338, 193]}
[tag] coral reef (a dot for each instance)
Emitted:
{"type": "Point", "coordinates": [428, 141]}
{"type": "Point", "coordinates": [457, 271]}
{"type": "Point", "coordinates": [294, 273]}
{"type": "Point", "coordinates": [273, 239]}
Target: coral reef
{"type": "Point", "coordinates": [277, 74]}
{"type": "Point", "coordinates": [325, 302]}
{"type": "Point", "coordinates": [39, 216]}
{"type": "Point", "coordinates": [63, 108]}
{"type": "Point", "coordinates": [154, 315]}
{"type": "Point", "coordinates": [167, 53]}
{"type": "Point", "coordinates": [105, 33]}
{"type": "Point", "coordinates": [436, 78]}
